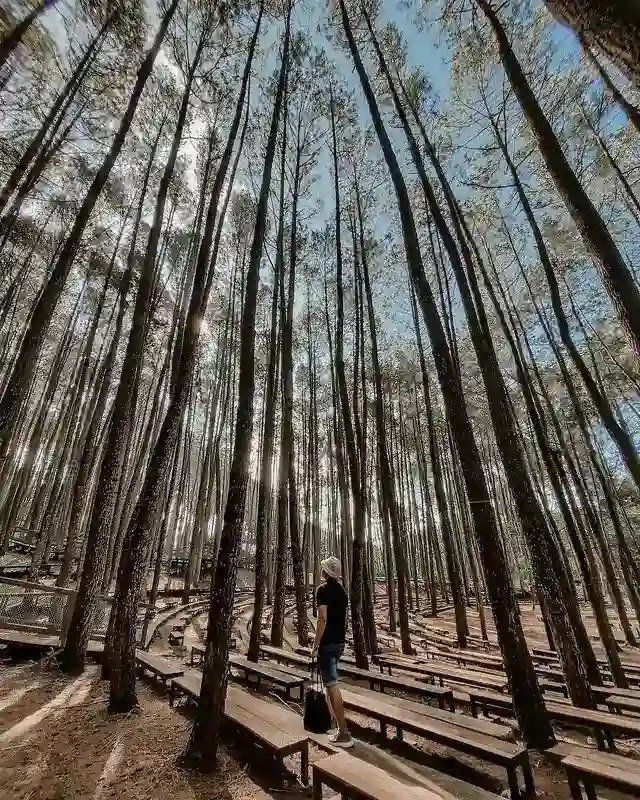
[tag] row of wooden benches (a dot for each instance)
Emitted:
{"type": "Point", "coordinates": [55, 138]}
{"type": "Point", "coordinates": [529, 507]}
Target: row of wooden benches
{"type": "Point", "coordinates": [606, 769]}
{"type": "Point", "coordinates": [605, 725]}
{"type": "Point", "coordinates": [486, 741]}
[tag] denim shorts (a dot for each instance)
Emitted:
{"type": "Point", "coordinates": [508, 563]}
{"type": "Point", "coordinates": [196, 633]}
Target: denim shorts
{"type": "Point", "coordinates": [328, 657]}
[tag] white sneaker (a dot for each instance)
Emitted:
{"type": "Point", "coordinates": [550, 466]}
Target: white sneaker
{"type": "Point", "coordinates": [343, 740]}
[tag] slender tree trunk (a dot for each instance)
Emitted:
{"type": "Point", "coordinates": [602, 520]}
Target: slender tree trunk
{"type": "Point", "coordinates": [18, 383]}
{"type": "Point", "coordinates": [593, 230]}
{"type": "Point", "coordinates": [529, 707]}
{"type": "Point", "coordinates": [131, 570]}
{"type": "Point", "coordinates": [350, 441]}
{"type": "Point", "coordinates": [203, 743]}
{"type": "Point", "coordinates": [13, 38]}
{"type": "Point", "coordinates": [612, 26]}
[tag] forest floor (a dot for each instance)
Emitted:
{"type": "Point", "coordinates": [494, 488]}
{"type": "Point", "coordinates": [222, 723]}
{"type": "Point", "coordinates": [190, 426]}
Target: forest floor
{"type": "Point", "coordinates": [58, 742]}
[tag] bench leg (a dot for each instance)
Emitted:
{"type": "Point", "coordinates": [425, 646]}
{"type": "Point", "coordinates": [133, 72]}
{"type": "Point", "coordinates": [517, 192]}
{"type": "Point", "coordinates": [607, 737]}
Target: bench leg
{"type": "Point", "coordinates": [574, 785]}
{"type": "Point", "coordinates": [317, 787]}
{"type": "Point", "coordinates": [610, 741]}
{"type": "Point", "coordinates": [528, 776]}
{"type": "Point", "coordinates": [452, 703]}
{"type": "Point", "coordinates": [441, 702]}
{"type": "Point", "coordinates": [304, 765]}
{"type": "Point", "coordinates": [383, 729]}
{"type": "Point", "coordinates": [474, 708]}
{"type": "Point", "coordinates": [590, 790]}
{"type": "Point", "coordinates": [399, 734]}
{"type": "Point", "coordinates": [514, 789]}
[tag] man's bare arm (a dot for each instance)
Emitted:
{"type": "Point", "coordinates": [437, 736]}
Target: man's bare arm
{"type": "Point", "coordinates": [322, 624]}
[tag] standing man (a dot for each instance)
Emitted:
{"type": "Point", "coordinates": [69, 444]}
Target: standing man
{"type": "Point", "coordinates": [332, 603]}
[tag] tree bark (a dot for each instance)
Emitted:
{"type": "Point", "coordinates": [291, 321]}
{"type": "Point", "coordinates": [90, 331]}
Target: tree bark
{"type": "Point", "coordinates": [203, 743]}
{"type": "Point", "coordinates": [612, 26]}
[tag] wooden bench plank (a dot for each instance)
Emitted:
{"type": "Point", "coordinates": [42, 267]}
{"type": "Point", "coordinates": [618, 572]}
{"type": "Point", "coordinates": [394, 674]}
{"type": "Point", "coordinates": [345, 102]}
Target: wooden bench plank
{"type": "Point", "coordinates": [284, 680]}
{"type": "Point", "coordinates": [441, 694]}
{"type": "Point", "coordinates": [290, 657]}
{"type": "Point", "coordinates": [458, 719]}
{"type": "Point", "coordinates": [160, 667]}
{"type": "Point", "coordinates": [496, 751]}
{"type": "Point", "coordinates": [266, 723]}
{"type": "Point", "coordinates": [360, 781]}
{"type": "Point", "coordinates": [615, 772]}
{"type": "Point", "coordinates": [602, 692]}
{"type": "Point", "coordinates": [443, 671]}
{"type": "Point", "coordinates": [464, 657]}
{"type": "Point", "coordinates": [598, 720]}
{"type": "Point", "coordinates": [617, 703]}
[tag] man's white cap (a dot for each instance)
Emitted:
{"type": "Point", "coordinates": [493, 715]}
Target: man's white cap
{"type": "Point", "coordinates": [332, 567]}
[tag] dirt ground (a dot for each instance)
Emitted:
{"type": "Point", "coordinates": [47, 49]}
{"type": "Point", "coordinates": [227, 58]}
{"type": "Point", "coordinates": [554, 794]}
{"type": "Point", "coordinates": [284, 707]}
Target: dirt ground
{"type": "Point", "coordinates": [58, 742]}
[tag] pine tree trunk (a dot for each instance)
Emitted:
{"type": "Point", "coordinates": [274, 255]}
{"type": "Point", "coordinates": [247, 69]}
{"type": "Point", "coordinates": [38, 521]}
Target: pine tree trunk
{"type": "Point", "coordinates": [265, 495]}
{"type": "Point", "coordinates": [617, 432]}
{"type": "Point", "coordinates": [131, 570]}
{"type": "Point", "coordinates": [528, 702]}
{"type": "Point", "coordinates": [53, 120]}
{"type": "Point", "coordinates": [25, 364]}
{"type": "Point", "coordinates": [287, 417]}
{"type": "Point", "coordinates": [632, 112]}
{"type": "Point", "coordinates": [350, 441]}
{"type": "Point", "coordinates": [612, 26]}
{"type": "Point", "coordinates": [203, 743]}
{"type": "Point", "coordinates": [595, 234]}
{"type": "Point", "coordinates": [13, 38]}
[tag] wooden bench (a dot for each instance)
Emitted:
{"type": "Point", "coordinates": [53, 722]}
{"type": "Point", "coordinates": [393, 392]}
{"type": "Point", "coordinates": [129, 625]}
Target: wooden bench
{"type": "Point", "coordinates": [443, 695]}
{"type": "Point", "coordinates": [176, 634]}
{"type": "Point", "coordinates": [433, 638]}
{"type": "Point", "coordinates": [359, 780]}
{"type": "Point", "coordinates": [283, 680]}
{"type": "Point", "coordinates": [487, 699]}
{"type": "Point", "coordinates": [443, 671]}
{"type": "Point", "coordinates": [161, 668]}
{"type": "Point", "coordinates": [617, 703]}
{"type": "Point", "coordinates": [487, 748]}
{"type": "Point", "coordinates": [275, 728]}
{"type": "Point", "coordinates": [553, 686]}
{"type": "Point", "coordinates": [198, 650]}
{"type": "Point", "coordinates": [483, 644]}
{"type": "Point", "coordinates": [459, 719]}
{"type": "Point", "coordinates": [602, 769]}
{"type": "Point", "coordinates": [602, 692]}
{"type": "Point", "coordinates": [465, 657]}
{"type": "Point", "coordinates": [289, 657]}
{"type": "Point", "coordinates": [601, 722]}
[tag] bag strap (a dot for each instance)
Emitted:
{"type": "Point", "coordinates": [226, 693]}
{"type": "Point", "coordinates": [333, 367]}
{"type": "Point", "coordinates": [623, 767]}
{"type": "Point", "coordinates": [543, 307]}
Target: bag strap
{"type": "Point", "coordinates": [315, 674]}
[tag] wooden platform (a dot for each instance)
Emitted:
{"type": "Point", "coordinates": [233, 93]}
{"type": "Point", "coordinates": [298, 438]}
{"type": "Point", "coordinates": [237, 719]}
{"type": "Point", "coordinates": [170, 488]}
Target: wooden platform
{"type": "Point", "coordinates": [42, 641]}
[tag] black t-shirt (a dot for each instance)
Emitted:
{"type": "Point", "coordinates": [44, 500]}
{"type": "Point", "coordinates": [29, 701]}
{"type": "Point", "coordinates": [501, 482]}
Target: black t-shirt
{"type": "Point", "coordinates": [332, 595]}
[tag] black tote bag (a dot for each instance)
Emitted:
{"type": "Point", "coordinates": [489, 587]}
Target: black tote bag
{"type": "Point", "coordinates": [317, 717]}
